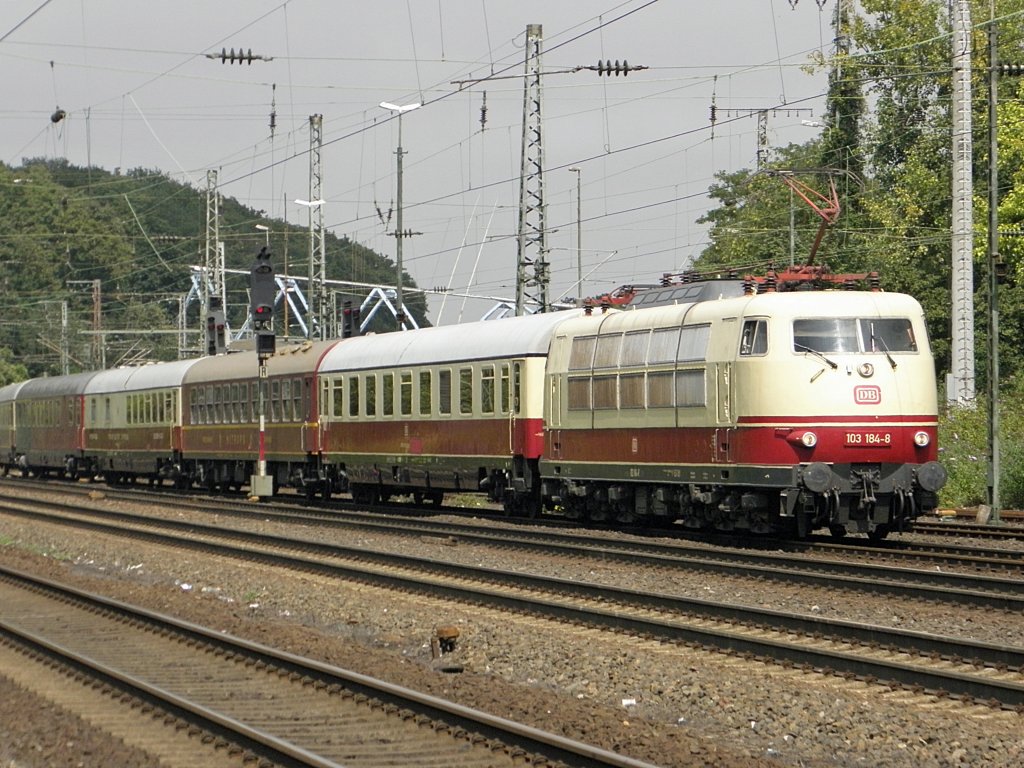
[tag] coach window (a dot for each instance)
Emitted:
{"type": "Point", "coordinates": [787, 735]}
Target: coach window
{"type": "Point", "coordinates": [505, 401]}
{"type": "Point", "coordinates": [664, 343]}
{"type": "Point", "coordinates": [405, 395]}
{"type": "Point", "coordinates": [300, 398]}
{"type": "Point", "coordinates": [517, 388]}
{"type": "Point", "coordinates": [634, 348]}
{"type": "Point", "coordinates": [660, 388]}
{"type": "Point", "coordinates": [690, 392]}
{"type": "Point", "coordinates": [581, 355]}
{"type": "Point", "coordinates": [444, 392]}
{"type": "Point", "coordinates": [371, 395]}
{"type": "Point", "coordinates": [605, 393]}
{"type": "Point", "coordinates": [425, 393]}
{"type": "Point", "coordinates": [353, 396]}
{"type": "Point", "coordinates": [286, 400]}
{"type": "Point", "coordinates": [693, 343]}
{"type": "Point", "coordinates": [754, 338]}
{"type": "Point", "coordinates": [388, 394]}
{"type": "Point", "coordinates": [607, 354]}
{"type": "Point", "coordinates": [487, 389]}
{"type": "Point", "coordinates": [465, 390]}
{"type": "Point", "coordinates": [275, 400]}
{"type": "Point", "coordinates": [338, 403]}
{"type": "Point", "coordinates": [579, 394]}
{"type": "Point", "coordinates": [631, 390]}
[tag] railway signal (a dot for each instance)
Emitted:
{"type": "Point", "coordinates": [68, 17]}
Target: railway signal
{"type": "Point", "coordinates": [216, 342]}
{"type": "Point", "coordinates": [262, 292]}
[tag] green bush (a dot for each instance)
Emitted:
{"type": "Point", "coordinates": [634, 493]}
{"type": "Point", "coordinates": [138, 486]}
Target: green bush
{"type": "Point", "coordinates": [964, 451]}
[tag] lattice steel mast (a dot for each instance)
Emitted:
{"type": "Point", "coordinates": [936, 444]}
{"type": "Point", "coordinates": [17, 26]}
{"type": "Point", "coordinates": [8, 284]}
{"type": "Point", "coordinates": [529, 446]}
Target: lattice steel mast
{"type": "Point", "coordinates": [316, 327]}
{"type": "Point", "coordinates": [532, 272]}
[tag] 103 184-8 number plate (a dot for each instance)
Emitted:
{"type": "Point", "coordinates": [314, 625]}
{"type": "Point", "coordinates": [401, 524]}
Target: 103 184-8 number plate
{"type": "Point", "coordinates": [862, 439]}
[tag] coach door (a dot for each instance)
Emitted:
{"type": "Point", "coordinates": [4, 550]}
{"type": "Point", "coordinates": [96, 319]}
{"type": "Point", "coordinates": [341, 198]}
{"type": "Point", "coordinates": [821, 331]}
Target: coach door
{"type": "Point", "coordinates": [311, 416]}
{"type": "Point", "coordinates": [518, 424]}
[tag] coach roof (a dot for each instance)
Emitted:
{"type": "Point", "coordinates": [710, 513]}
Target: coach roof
{"type": "Point", "coordinates": [527, 336]}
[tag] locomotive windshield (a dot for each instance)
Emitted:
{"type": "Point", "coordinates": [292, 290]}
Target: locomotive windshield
{"type": "Point", "coordinates": [832, 334]}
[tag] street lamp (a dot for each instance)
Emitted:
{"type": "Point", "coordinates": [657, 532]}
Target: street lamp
{"type": "Point", "coordinates": [399, 232]}
{"type": "Point", "coordinates": [579, 236]}
{"type": "Point", "coordinates": [266, 230]}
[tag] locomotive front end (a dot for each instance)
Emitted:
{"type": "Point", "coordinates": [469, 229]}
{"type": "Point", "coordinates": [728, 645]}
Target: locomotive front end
{"type": "Point", "coordinates": [853, 410]}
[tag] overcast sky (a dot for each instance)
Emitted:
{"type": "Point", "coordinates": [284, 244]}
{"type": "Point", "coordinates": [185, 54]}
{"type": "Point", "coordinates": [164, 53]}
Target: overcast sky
{"type": "Point", "coordinates": [139, 91]}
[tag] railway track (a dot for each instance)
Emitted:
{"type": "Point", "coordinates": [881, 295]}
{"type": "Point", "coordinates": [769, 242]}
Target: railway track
{"type": "Point", "coordinates": [1005, 592]}
{"type": "Point", "coordinates": [1005, 532]}
{"type": "Point", "coordinates": [920, 661]}
{"type": "Point", "coordinates": [230, 698]}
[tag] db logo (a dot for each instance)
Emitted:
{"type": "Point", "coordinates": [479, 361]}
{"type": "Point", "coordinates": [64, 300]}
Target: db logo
{"type": "Point", "coordinates": [867, 395]}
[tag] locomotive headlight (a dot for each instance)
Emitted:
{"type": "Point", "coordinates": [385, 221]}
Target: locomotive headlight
{"type": "Point", "coordinates": [808, 439]}
{"type": "Point", "coordinates": [921, 439]}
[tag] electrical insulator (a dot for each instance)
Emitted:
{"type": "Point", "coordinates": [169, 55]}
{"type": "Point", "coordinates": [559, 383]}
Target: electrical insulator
{"type": "Point", "coordinates": [1011, 69]}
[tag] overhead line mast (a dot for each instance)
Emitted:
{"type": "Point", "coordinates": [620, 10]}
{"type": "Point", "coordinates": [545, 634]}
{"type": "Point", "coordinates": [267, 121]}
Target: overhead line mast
{"type": "Point", "coordinates": [532, 273]}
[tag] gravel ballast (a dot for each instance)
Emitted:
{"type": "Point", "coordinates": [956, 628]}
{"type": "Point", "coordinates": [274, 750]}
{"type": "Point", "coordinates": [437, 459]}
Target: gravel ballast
{"type": "Point", "coordinates": [665, 704]}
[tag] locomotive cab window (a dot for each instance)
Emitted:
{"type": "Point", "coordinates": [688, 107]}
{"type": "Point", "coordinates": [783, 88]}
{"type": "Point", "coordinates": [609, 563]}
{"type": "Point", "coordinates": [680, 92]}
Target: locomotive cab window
{"type": "Point", "coordinates": [754, 338]}
{"type": "Point", "coordinates": [888, 334]}
{"type": "Point", "coordinates": [838, 335]}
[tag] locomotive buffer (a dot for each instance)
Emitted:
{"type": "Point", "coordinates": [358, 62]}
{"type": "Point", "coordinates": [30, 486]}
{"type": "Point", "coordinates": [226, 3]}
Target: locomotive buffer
{"type": "Point", "coordinates": [262, 292]}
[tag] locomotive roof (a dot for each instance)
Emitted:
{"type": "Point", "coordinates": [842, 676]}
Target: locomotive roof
{"type": "Point", "coordinates": [139, 377]}
{"type": "Point", "coordinates": [788, 304]}
{"type": "Point", "coordinates": [289, 359]}
{"type": "Point", "coordinates": [509, 337]}
{"type": "Point", "coordinates": [56, 386]}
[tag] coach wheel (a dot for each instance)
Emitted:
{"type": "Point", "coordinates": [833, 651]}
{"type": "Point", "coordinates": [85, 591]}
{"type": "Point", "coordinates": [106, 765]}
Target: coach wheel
{"type": "Point", "coordinates": [878, 533]}
{"type": "Point", "coordinates": [837, 531]}
{"type": "Point", "coordinates": [362, 494]}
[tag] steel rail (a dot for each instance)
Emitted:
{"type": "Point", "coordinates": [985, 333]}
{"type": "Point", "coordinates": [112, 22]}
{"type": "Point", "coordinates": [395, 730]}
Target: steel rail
{"type": "Point", "coordinates": [979, 686]}
{"type": "Point", "coordinates": [517, 735]}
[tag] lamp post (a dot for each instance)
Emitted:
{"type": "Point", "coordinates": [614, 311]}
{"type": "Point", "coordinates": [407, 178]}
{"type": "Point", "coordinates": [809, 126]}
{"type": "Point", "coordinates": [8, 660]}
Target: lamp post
{"type": "Point", "coordinates": [579, 236]}
{"type": "Point", "coordinates": [399, 232]}
{"type": "Point", "coordinates": [266, 230]}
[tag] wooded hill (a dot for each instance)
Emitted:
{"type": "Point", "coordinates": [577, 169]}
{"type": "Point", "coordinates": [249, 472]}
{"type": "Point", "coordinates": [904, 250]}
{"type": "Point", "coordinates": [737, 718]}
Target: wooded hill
{"type": "Point", "coordinates": [139, 234]}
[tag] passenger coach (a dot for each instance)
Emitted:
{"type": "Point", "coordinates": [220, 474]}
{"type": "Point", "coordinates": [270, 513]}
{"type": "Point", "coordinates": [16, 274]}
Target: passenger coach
{"type": "Point", "coordinates": [133, 422]}
{"type": "Point", "coordinates": [221, 438]}
{"type": "Point", "coordinates": [437, 410]}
